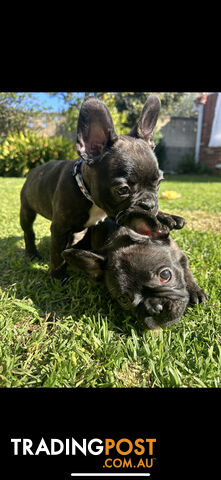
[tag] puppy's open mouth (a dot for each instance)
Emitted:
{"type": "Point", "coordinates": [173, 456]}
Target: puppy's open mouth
{"type": "Point", "coordinates": [144, 224]}
{"type": "Point", "coordinates": [144, 228]}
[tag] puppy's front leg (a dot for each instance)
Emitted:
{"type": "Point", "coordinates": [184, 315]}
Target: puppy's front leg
{"type": "Point", "coordinates": [59, 240]}
{"type": "Point", "coordinates": [197, 295]}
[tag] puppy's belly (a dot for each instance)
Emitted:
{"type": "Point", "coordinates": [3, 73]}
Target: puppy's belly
{"type": "Point", "coordinates": [95, 214]}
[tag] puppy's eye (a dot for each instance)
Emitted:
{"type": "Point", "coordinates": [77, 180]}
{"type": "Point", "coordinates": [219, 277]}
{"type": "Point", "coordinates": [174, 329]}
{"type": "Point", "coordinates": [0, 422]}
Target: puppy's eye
{"type": "Point", "coordinates": [165, 275]}
{"type": "Point", "coordinates": [123, 190]}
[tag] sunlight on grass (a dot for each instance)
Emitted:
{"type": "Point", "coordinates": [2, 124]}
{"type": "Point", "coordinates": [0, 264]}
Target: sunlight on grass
{"type": "Point", "coordinates": [75, 335]}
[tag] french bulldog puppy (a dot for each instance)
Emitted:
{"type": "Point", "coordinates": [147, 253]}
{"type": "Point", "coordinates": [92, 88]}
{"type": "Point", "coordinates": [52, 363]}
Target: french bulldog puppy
{"type": "Point", "coordinates": [113, 176]}
{"type": "Point", "coordinates": [146, 273]}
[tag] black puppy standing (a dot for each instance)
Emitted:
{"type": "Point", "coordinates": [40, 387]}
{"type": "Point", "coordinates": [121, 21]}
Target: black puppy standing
{"type": "Point", "coordinates": [115, 174]}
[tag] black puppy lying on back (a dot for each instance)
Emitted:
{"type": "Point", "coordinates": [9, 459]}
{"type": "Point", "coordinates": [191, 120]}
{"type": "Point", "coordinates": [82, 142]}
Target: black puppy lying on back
{"type": "Point", "coordinates": [147, 274]}
{"type": "Point", "coordinates": [113, 176]}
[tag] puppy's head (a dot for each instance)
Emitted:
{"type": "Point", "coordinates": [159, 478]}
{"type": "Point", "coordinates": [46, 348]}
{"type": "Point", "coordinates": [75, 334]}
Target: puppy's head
{"type": "Point", "coordinates": [141, 273]}
{"type": "Point", "coordinates": [124, 173]}
{"type": "Point", "coordinates": [144, 276]}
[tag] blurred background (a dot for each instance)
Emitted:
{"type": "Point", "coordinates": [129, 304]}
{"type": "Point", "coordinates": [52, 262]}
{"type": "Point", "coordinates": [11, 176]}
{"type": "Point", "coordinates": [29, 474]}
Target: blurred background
{"type": "Point", "coordinates": [36, 127]}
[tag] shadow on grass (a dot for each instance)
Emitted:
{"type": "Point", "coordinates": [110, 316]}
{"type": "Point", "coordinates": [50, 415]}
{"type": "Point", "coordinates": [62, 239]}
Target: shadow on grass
{"type": "Point", "coordinates": [78, 296]}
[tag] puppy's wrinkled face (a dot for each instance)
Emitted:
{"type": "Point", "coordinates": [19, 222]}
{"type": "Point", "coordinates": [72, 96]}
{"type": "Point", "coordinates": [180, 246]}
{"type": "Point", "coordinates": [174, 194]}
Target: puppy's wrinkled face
{"type": "Point", "coordinates": [147, 279]}
{"type": "Point", "coordinates": [127, 178]}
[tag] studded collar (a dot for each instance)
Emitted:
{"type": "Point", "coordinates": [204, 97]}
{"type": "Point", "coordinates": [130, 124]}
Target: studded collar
{"type": "Point", "coordinates": [80, 181]}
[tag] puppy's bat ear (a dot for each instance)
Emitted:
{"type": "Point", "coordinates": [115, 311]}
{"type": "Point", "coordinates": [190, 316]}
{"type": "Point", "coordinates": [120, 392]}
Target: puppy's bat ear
{"type": "Point", "coordinates": [85, 260]}
{"type": "Point", "coordinates": [95, 130]}
{"type": "Point", "coordinates": [147, 121]}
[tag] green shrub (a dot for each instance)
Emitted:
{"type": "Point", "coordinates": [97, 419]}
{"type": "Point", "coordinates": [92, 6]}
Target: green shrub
{"type": "Point", "coordinates": [20, 152]}
{"type": "Point", "coordinates": [160, 152]}
{"type": "Point", "coordinates": [188, 165]}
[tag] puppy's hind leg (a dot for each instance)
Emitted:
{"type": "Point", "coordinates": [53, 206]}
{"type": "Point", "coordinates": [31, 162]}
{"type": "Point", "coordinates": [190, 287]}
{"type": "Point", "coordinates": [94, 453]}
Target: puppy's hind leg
{"type": "Point", "coordinates": [27, 217]}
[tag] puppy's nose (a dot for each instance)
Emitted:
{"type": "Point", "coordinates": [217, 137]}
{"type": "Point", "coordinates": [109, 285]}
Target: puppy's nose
{"type": "Point", "coordinates": [147, 205]}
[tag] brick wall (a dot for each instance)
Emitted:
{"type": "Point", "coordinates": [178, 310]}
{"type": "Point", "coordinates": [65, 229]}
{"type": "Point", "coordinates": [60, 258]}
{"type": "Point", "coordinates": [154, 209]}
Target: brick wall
{"type": "Point", "coordinates": [209, 155]}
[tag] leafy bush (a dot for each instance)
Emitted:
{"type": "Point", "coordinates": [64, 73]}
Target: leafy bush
{"type": "Point", "coordinates": [188, 165]}
{"type": "Point", "coordinates": [20, 152]}
{"type": "Point", "coordinates": [160, 150]}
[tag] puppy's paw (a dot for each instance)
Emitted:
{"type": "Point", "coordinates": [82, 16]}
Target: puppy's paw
{"type": "Point", "coordinates": [180, 222]}
{"type": "Point", "coordinates": [33, 254]}
{"type": "Point", "coordinates": [59, 273]}
{"type": "Point", "coordinates": [197, 295]}
{"type": "Point", "coordinates": [166, 219]}
{"type": "Point", "coordinates": [171, 221]}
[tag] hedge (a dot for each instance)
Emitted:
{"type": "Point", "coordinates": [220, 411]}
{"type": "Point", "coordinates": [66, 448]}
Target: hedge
{"type": "Point", "coordinates": [20, 152]}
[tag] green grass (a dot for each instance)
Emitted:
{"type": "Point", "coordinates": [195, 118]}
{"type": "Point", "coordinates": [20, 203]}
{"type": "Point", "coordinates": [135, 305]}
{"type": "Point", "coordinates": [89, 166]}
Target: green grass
{"type": "Point", "coordinates": [77, 336]}
{"type": "Point", "coordinates": [197, 193]}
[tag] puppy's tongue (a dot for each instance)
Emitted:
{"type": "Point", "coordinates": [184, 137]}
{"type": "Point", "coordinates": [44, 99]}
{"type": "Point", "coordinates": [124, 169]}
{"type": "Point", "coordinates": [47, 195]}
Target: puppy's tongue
{"type": "Point", "coordinates": [144, 229]}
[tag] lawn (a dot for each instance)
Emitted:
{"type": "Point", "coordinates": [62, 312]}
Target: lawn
{"type": "Point", "coordinates": [75, 335]}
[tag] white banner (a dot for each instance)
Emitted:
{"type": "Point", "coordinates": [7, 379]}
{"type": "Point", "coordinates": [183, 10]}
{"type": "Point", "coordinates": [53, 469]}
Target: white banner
{"type": "Point", "coordinates": [215, 137]}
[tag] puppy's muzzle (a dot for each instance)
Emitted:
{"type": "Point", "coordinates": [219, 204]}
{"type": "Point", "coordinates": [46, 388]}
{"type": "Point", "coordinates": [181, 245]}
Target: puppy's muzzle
{"type": "Point", "coordinates": [143, 206]}
{"type": "Point", "coordinates": [170, 293]}
{"type": "Point", "coordinates": [167, 309]}
{"type": "Point", "coordinates": [142, 222]}
{"type": "Point", "coordinates": [147, 205]}
{"type": "Point", "coordinates": [172, 310]}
